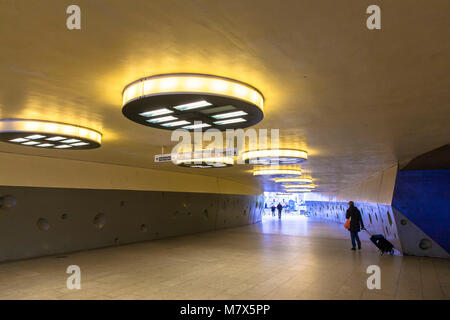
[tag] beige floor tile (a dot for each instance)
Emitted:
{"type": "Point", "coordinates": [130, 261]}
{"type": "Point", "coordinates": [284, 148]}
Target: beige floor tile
{"type": "Point", "coordinates": [304, 259]}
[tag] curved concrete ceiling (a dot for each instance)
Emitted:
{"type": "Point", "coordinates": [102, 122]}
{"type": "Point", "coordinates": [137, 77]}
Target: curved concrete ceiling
{"type": "Point", "coordinates": [357, 100]}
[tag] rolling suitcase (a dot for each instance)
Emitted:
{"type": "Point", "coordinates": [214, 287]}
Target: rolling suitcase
{"type": "Point", "coordinates": [382, 243]}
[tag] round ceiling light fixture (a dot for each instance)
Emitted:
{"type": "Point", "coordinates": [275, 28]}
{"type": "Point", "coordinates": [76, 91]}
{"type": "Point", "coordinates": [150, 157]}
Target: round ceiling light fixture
{"type": "Point", "coordinates": [294, 180]}
{"type": "Point", "coordinates": [275, 157]}
{"type": "Point", "coordinates": [48, 135]}
{"type": "Point", "coordinates": [206, 162]}
{"type": "Point", "coordinates": [192, 101]}
{"type": "Point", "coordinates": [302, 186]}
{"type": "Point", "coordinates": [277, 172]}
{"type": "Point", "coordinates": [298, 190]}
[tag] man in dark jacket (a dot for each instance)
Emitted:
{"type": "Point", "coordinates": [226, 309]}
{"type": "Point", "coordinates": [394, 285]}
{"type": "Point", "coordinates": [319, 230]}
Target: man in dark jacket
{"type": "Point", "coordinates": [355, 222]}
{"type": "Point", "coordinates": [279, 207]}
{"type": "Point", "coordinates": [273, 209]}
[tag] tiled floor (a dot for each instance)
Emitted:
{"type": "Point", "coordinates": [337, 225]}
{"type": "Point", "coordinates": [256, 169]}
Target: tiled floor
{"type": "Point", "coordinates": [288, 259]}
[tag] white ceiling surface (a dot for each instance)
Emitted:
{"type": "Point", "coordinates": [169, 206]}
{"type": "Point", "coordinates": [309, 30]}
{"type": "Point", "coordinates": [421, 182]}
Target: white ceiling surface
{"type": "Point", "coordinates": [357, 100]}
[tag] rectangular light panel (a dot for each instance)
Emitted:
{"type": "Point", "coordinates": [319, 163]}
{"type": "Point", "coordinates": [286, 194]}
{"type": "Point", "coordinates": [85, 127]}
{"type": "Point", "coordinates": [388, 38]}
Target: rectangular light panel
{"type": "Point", "coordinates": [175, 124]}
{"type": "Point", "coordinates": [197, 126]}
{"type": "Point", "coordinates": [35, 136]}
{"type": "Point", "coordinates": [57, 138]}
{"type": "Point", "coordinates": [193, 105]}
{"type": "Point", "coordinates": [236, 120]}
{"type": "Point", "coordinates": [79, 144]}
{"type": "Point", "coordinates": [63, 146]}
{"type": "Point", "coordinates": [155, 113]}
{"type": "Point", "coordinates": [18, 140]}
{"type": "Point", "coordinates": [45, 145]}
{"type": "Point", "coordinates": [30, 143]}
{"type": "Point", "coordinates": [229, 115]}
{"type": "Point", "coordinates": [162, 119]}
{"type": "Point", "coordinates": [71, 141]}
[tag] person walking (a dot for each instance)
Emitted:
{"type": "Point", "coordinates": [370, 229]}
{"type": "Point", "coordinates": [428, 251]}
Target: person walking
{"type": "Point", "coordinates": [273, 209]}
{"type": "Point", "coordinates": [356, 224]}
{"type": "Point", "coordinates": [279, 207]}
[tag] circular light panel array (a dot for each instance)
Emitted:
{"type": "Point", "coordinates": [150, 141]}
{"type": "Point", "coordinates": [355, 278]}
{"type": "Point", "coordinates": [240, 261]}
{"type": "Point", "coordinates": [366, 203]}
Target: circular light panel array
{"type": "Point", "coordinates": [294, 180]}
{"type": "Point", "coordinates": [206, 162]}
{"type": "Point", "coordinates": [192, 101]}
{"type": "Point", "coordinates": [303, 186]}
{"type": "Point", "coordinates": [277, 172]}
{"type": "Point", "coordinates": [275, 157]}
{"type": "Point", "coordinates": [298, 190]}
{"type": "Point", "coordinates": [48, 135]}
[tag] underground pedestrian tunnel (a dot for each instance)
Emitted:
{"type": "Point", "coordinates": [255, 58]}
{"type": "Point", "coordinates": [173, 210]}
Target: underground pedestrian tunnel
{"type": "Point", "coordinates": [298, 103]}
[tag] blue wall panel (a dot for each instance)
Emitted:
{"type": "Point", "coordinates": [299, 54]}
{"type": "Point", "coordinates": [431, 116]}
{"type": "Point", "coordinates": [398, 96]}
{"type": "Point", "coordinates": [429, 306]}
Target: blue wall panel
{"type": "Point", "coordinates": [424, 198]}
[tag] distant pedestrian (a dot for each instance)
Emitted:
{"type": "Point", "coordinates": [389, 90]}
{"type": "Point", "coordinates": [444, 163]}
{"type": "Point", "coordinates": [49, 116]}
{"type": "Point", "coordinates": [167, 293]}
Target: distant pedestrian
{"type": "Point", "coordinates": [273, 209]}
{"type": "Point", "coordinates": [279, 207]}
{"type": "Point", "coordinates": [356, 221]}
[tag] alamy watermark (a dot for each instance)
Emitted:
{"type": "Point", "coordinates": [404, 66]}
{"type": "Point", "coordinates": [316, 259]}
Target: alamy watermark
{"type": "Point", "coordinates": [73, 21]}
{"type": "Point", "coordinates": [374, 20]}
{"type": "Point", "coordinates": [74, 280]}
{"type": "Point", "coordinates": [215, 143]}
{"type": "Point", "coordinates": [374, 280]}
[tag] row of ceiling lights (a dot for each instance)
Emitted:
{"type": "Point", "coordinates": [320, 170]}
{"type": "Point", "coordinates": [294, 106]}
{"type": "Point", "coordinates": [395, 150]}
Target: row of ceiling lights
{"type": "Point", "coordinates": [174, 101]}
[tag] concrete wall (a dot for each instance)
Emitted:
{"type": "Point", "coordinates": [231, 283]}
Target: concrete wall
{"type": "Point", "coordinates": [377, 189]}
{"type": "Point", "coordinates": [36, 171]}
{"type": "Point", "coordinates": [52, 206]}
{"type": "Point", "coordinates": [36, 221]}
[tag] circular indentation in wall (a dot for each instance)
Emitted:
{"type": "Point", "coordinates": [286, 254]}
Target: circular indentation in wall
{"type": "Point", "coordinates": [43, 224]}
{"type": "Point", "coordinates": [403, 222]}
{"type": "Point", "coordinates": [175, 214]}
{"type": "Point", "coordinates": [122, 203]}
{"type": "Point", "coordinates": [189, 213]}
{"type": "Point", "coordinates": [389, 217]}
{"type": "Point", "coordinates": [225, 221]}
{"type": "Point", "coordinates": [144, 228]}
{"type": "Point", "coordinates": [7, 202]}
{"type": "Point", "coordinates": [244, 213]}
{"type": "Point", "coordinates": [64, 216]}
{"type": "Point", "coordinates": [99, 221]}
{"type": "Point", "coordinates": [205, 213]}
{"type": "Point", "coordinates": [425, 244]}
{"type": "Point", "coordinates": [370, 218]}
{"type": "Point", "coordinates": [116, 240]}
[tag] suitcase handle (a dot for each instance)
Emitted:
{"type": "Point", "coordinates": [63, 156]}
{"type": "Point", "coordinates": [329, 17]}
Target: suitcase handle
{"type": "Point", "coordinates": [368, 232]}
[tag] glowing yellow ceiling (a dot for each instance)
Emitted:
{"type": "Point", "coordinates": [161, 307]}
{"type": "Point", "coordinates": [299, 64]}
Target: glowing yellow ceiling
{"type": "Point", "coordinates": [356, 100]}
